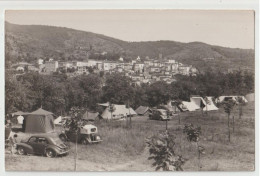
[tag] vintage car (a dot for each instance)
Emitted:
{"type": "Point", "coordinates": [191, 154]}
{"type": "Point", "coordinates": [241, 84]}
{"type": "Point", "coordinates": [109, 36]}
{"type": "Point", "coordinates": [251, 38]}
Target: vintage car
{"type": "Point", "coordinates": [88, 134]}
{"type": "Point", "coordinates": [159, 114]}
{"type": "Point", "coordinates": [46, 144]}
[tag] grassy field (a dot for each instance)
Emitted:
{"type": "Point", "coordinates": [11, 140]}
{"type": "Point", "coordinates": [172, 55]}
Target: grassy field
{"type": "Point", "coordinates": [124, 149]}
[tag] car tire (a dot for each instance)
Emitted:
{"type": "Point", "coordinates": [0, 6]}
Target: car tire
{"type": "Point", "coordinates": [20, 151]}
{"type": "Point", "coordinates": [51, 153]}
{"type": "Point", "coordinates": [84, 141]}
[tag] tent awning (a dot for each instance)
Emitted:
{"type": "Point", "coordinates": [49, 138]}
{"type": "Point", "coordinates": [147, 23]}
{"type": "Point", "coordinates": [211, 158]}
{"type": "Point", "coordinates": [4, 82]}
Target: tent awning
{"type": "Point", "coordinates": [18, 113]}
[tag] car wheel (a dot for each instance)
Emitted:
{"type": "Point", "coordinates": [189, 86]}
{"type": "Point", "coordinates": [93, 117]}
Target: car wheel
{"type": "Point", "coordinates": [84, 141]}
{"type": "Point", "coordinates": [20, 151]}
{"type": "Point", "coordinates": [50, 153]}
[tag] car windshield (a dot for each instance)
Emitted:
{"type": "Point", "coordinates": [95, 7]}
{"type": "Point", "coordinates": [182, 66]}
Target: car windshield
{"type": "Point", "coordinates": [56, 141]}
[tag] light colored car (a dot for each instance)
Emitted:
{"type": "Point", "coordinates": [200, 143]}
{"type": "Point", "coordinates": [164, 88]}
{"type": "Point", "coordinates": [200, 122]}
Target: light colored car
{"type": "Point", "coordinates": [159, 114]}
{"type": "Point", "coordinates": [88, 134]}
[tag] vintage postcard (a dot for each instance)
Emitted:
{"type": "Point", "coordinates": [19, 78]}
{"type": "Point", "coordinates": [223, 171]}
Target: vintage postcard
{"type": "Point", "coordinates": [129, 90]}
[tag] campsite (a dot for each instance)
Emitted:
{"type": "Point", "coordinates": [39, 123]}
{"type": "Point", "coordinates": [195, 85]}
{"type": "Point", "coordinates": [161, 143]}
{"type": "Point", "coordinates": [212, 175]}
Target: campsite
{"type": "Point", "coordinates": [130, 90]}
{"type": "Point", "coordinates": [124, 149]}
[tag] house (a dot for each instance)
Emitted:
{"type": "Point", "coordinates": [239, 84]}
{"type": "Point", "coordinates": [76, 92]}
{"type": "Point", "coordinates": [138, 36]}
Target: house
{"type": "Point", "coordinates": [109, 65]}
{"type": "Point", "coordinates": [138, 67]}
{"type": "Point", "coordinates": [40, 61]}
{"type": "Point", "coordinates": [184, 70]}
{"type": "Point", "coordinates": [100, 66]}
{"type": "Point", "coordinates": [51, 66]}
{"type": "Point", "coordinates": [82, 70]}
{"type": "Point", "coordinates": [155, 69]}
{"type": "Point", "coordinates": [171, 61]}
{"type": "Point", "coordinates": [128, 66]}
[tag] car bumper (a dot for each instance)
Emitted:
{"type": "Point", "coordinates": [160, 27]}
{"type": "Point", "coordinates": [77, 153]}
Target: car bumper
{"type": "Point", "coordinates": [96, 141]}
{"type": "Point", "coordinates": [63, 152]}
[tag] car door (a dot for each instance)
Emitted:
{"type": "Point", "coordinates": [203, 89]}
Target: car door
{"type": "Point", "coordinates": [42, 143]}
{"type": "Point", "coordinates": [33, 143]}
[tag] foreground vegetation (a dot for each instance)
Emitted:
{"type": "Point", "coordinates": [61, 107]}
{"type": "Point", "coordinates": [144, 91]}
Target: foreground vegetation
{"type": "Point", "coordinates": [125, 149]}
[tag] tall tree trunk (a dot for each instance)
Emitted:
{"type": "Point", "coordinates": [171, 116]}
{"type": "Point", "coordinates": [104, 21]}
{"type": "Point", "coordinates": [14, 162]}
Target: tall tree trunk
{"type": "Point", "coordinates": [76, 152]}
{"type": "Point", "coordinates": [228, 129]}
{"type": "Point", "coordinates": [233, 124]}
{"type": "Point", "coordinates": [240, 111]}
{"type": "Point", "coordinates": [198, 156]}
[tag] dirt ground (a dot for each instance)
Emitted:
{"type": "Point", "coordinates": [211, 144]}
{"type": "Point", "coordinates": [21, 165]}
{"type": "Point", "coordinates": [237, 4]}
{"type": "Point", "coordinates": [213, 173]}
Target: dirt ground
{"type": "Point", "coordinates": [125, 150]}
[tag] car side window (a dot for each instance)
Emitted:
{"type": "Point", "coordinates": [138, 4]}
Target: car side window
{"type": "Point", "coordinates": [42, 141]}
{"type": "Point", "coordinates": [33, 140]}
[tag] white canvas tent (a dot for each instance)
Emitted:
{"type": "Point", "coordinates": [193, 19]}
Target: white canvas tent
{"type": "Point", "coordinates": [58, 121]}
{"type": "Point", "coordinates": [250, 97]}
{"type": "Point", "coordinates": [210, 105]}
{"type": "Point", "coordinates": [199, 101]}
{"type": "Point", "coordinates": [190, 106]}
{"type": "Point", "coordinates": [120, 111]}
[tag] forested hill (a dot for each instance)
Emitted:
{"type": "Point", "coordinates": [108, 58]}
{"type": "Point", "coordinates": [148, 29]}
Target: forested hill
{"type": "Point", "coordinates": [29, 42]}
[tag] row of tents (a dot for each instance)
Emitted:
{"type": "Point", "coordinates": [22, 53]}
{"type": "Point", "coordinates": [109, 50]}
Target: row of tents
{"type": "Point", "coordinates": [196, 103]}
{"type": "Point", "coordinates": [42, 121]}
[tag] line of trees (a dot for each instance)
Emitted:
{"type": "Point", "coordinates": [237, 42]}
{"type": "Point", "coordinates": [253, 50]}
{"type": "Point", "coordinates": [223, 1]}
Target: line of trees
{"type": "Point", "coordinates": [58, 93]}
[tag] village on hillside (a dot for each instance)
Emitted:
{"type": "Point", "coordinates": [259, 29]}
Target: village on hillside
{"type": "Point", "coordinates": [139, 70]}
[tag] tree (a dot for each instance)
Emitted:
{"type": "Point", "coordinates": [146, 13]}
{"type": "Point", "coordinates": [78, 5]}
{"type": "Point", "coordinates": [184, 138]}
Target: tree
{"type": "Point", "coordinates": [193, 135]}
{"type": "Point", "coordinates": [228, 107]}
{"type": "Point", "coordinates": [161, 149]}
{"type": "Point", "coordinates": [158, 93]}
{"type": "Point", "coordinates": [74, 124]}
{"type": "Point", "coordinates": [118, 89]}
{"type": "Point", "coordinates": [111, 109]}
{"type": "Point", "coordinates": [241, 103]}
{"type": "Point", "coordinates": [92, 87]}
{"type": "Point", "coordinates": [177, 103]}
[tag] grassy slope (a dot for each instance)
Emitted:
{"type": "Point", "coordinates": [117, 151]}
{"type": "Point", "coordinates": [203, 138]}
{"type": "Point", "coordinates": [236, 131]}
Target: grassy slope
{"type": "Point", "coordinates": [124, 149]}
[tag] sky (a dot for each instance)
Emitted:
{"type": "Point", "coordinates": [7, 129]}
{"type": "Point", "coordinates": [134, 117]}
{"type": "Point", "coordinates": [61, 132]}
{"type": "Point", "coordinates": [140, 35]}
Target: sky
{"type": "Point", "coordinates": [226, 28]}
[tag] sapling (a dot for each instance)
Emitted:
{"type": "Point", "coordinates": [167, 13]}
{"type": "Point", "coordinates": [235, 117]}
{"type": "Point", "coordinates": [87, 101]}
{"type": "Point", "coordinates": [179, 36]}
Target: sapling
{"type": "Point", "coordinates": [193, 135]}
{"type": "Point", "coordinates": [161, 149]}
{"type": "Point", "coordinates": [228, 107]}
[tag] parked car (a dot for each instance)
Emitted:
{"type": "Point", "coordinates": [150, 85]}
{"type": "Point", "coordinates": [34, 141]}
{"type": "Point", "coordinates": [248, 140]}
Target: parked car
{"type": "Point", "coordinates": [46, 144]}
{"type": "Point", "coordinates": [88, 134]}
{"type": "Point", "coordinates": [159, 114]}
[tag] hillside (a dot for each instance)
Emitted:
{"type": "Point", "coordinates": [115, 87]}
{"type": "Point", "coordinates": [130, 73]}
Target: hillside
{"type": "Point", "coordinates": [29, 42]}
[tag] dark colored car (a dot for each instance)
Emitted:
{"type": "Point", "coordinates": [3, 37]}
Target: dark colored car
{"type": "Point", "coordinates": [88, 134]}
{"type": "Point", "coordinates": [159, 114]}
{"type": "Point", "coordinates": [48, 145]}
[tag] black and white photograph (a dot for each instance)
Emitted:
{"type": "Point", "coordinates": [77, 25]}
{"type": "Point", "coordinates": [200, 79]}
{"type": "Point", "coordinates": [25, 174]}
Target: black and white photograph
{"type": "Point", "coordinates": [144, 90]}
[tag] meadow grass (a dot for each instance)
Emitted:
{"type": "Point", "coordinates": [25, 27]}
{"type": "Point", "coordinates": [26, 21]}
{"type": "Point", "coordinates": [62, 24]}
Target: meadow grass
{"type": "Point", "coordinates": [121, 143]}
